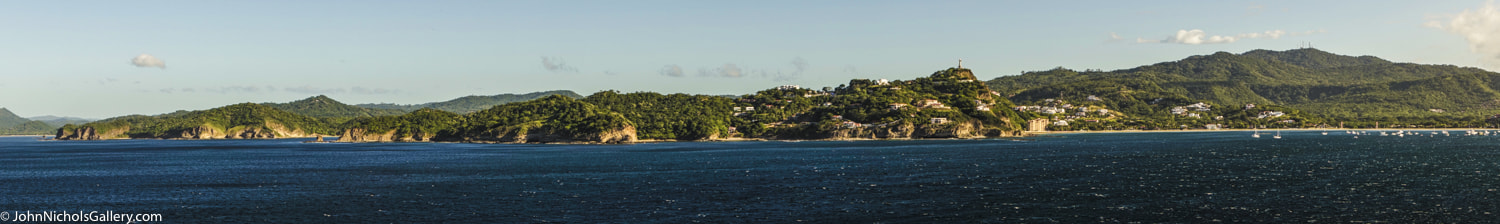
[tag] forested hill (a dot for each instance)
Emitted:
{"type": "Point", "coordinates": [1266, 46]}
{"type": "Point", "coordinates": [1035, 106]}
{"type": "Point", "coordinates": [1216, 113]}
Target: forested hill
{"type": "Point", "coordinates": [470, 104]}
{"type": "Point", "coordinates": [238, 121]}
{"type": "Point", "coordinates": [1314, 81]}
{"type": "Point", "coordinates": [10, 124]}
{"type": "Point", "coordinates": [323, 107]}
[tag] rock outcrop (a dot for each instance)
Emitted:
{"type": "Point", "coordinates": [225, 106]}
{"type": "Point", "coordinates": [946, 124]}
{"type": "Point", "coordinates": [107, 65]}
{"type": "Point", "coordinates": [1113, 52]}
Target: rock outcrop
{"type": "Point", "coordinates": [270, 130]}
{"type": "Point", "coordinates": [622, 134]}
{"type": "Point", "coordinates": [90, 133]}
{"type": "Point", "coordinates": [362, 135]}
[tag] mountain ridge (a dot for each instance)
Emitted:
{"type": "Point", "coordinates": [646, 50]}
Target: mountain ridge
{"type": "Point", "coordinates": [472, 103]}
{"type": "Point", "coordinates": [1313, 80]}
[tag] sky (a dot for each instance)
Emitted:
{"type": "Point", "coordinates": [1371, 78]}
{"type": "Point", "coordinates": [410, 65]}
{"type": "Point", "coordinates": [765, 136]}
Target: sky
{"type": "Point", "coordinates": [100, 59]}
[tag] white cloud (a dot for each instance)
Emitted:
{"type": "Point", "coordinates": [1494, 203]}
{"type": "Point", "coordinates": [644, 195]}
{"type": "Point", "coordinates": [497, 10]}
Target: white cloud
{"type": "Point", "coordinates": [1481, 28]}
{"type": "Point", "coordinates": [730, 70]}
{"type": "Point", "coordinates": [727, 70]}
{"type": "Point", "coordinates": [671, 70]}
{"type": "Point", "coordinates": [146, 60]}
{"type": "Point", "coordinates": [559, 66]}
{"type": "Point", "coordinates": [1274, 34]}
{"type": "Point", "coordinates": [1197, 36]}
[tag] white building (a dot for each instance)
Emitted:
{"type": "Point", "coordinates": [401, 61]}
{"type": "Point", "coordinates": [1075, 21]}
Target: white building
{"type": "Point", "coordinates": [882, 82]}
{"type": "Point", "coordinates": [1060, 123]}
{"type": "Point", "coordinates": [1179, 110]}
{"type": "Point", "coordinates": [788, 87]}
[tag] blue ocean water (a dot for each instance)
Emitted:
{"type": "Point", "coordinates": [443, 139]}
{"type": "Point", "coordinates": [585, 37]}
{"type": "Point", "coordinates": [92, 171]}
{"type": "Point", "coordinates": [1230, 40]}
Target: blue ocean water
{"type": "Point", "coordinates": [1188, 177]}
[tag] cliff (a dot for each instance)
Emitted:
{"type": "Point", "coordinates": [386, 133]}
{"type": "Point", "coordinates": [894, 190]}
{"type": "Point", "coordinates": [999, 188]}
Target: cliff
{"type": "Point", "coordinates": [70, 132]}
{"type": "Point", "coordinates": [240, 121]}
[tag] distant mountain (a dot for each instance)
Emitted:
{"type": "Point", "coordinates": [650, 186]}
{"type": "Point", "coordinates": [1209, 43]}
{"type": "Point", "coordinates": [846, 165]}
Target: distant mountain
{"type": "Point", "coordinates": [56, 121]}
{"type": "Point", "coordinates": [469, 104]}
{"type": "Point", "coordinates": [1311, 80]}
{"type": "Point", "coordinates": [10, 124]}
{"type": "Point", "coordinates": [323, 107]}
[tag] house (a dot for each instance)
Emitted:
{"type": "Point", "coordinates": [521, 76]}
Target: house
{"type": "Point", "coordinates": [1103, 112]}
{"type": "Point", "coordinates": [1218, 118]}
{"type": "Point", "coordinates": [939, 120]}
{"type": "Point", "coordinates": [1094, 98]}
{"type": "Point", "coordinates": [850, 124]}
{"type": "Point", "coordinates": [1212, 126]}
{"type": "Point", "coordinates": [897, 106]}
{"type": "Point", "coordinates": [1249, 105]}
{"type": "Point", "coordinates": [882, 82]}
{"type": "Point", "coordinates": [1194, 115]}
{"type": "Point", "coordinates": [838, 117]}
{"type": "Point", "coordinates": [788, 87]}
{"type": "Point", "coordinates": [1060, 123]}
{"type": "Point", "coordinates": [1269, 114]}
{"type": "Point", "coordinates": [1081, 113]}
{"type": "Point", "coordinates": [749, 108]}
{"type": "Point", "coordinates": [828, 104]}
{"type": "Point", "coordinates": [1436, 110]}
{"type": "Point", "coordinates": [1179, 110]}
{"type": "Point", "coordinates": [1200, 106]}
{"type": "Point", "coordinates": [931, 103]}
{"type": "Point", "coordinates": [981, 106]}
{"type": "Point", "coordinates": [738, 108]}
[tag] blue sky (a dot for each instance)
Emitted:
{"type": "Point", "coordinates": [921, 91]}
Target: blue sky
{"type": "Point", "coordinates": [74, 58]}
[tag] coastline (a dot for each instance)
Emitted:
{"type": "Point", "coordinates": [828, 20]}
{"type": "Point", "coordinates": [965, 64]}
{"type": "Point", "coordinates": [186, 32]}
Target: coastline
{"type": "Point", "coordinates": [1269, 129]}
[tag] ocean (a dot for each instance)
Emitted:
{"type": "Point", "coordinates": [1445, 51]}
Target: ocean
{"type": "Point", "coordinates": [1177, 177]}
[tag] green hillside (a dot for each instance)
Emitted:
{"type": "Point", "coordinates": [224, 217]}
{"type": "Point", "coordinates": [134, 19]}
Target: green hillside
{"type": "Point", "coordinates": [675, 116]}
{"type": "Point", "coordinates": [329, 110]}
{"type": "Point", "coordinates": [10, 124]}
{"type": "Point", "coordinates": [551, 118]}
{"type": "Point", "coordinates": [245, 120]}
{"type": "Point", "coordinates": [469, 104]}
{"type": "Point", "coordinates": [1318, 83]}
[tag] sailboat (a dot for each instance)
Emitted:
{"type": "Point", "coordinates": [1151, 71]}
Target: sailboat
{"type": "Point", "coordinates": [1278, 135]}
{"type": "Point", "coordinates": [1256, 135]}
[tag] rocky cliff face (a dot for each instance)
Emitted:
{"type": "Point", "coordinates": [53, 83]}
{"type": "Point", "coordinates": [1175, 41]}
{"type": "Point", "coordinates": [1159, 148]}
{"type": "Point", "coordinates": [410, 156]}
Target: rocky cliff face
{"type": "Point", "coordinates": [205, 131]}
{"type": "Point", "coordinates": [623, 134]}
{"type": "Point", "coordinates": [949, 130]}
{"type": "Point", "coordinates": [362, 135]}
{"type": "Point", "coordinates": [89, 133]}
{"type": "Point", "coordinates": [910, 131]}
